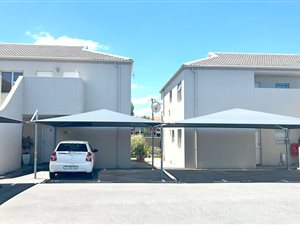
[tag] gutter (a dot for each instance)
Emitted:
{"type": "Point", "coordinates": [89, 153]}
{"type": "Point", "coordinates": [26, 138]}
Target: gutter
{"type": "Point", "coordinates": [126, 61]}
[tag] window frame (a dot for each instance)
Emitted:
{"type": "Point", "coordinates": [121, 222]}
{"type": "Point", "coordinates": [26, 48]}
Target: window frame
{"type": "Point", "coordinates": [170, 96]}
{"type": "Point", "coordinates": [282, 85]}
{"type": "Point", "coordinates": [179, 92]}
{"type": "Point", "coordinates": [179, 138]}
{"type": "Point", "coordinates": [173, 135]}
{"type": "Point", "coordinates": [13, 79]}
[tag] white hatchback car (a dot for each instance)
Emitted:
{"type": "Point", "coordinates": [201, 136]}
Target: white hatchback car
{"type": "Point", "coordinates": [72, 156]}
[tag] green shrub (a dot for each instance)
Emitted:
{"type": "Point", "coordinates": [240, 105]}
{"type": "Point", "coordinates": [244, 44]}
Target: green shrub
{"type": "Point", "coordinates": [139, 146]}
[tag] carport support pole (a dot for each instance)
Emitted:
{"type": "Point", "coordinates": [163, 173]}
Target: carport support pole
{"type": "Point", "coordinates": [152, 136]}
{"type": "Point", "coordinates": [286, 131]}
{"type": "Point", "coordinates": [162, 148]}
{"type": "Point", "coordinates": [35, 144]}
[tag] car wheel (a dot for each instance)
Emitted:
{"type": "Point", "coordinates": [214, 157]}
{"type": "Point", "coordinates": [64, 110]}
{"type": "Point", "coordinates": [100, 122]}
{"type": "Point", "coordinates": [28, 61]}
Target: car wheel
{"type": "Point", "coordinates": [52, 175]}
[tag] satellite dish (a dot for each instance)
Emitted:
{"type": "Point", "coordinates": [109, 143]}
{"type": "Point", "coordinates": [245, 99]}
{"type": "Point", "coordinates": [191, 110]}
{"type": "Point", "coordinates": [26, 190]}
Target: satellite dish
{"type": "Point", "coordinates": [156, 107]}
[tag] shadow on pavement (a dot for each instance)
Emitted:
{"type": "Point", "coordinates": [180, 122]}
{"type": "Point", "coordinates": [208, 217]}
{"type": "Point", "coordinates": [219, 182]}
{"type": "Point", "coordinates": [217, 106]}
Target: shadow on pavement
{"type": "Point", "coordinates": [113, 176]}
{"type": "Point", "coordinates": [236, 176]}
{"type": "Point", "coordinates": [8, 191]}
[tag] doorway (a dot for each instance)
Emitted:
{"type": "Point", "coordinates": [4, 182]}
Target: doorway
{"type": "Point", "coordinates": [48, 145]}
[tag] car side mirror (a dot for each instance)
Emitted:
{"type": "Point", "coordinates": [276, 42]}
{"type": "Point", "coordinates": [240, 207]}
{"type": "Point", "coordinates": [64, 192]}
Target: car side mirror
{"type": "Point", "coordinates": [95, 150]}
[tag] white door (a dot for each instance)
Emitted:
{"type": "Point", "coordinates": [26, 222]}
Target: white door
{"type": "Point", "coordinates": [48, 145]}
{"type": "Point", "coordinates": [258, 147]}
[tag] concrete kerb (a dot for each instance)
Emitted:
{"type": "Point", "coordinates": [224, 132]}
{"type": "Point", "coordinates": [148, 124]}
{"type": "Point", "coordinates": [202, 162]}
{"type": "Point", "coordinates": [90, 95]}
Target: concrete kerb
{"type": "Point", "coordinates": [24, 170]}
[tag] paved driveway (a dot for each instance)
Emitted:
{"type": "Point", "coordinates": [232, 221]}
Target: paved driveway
{"type": "Point", "coordinates": [140, 196]}
{"type": "Point", "coordinates": [236, 176]}
{"type": "Point", "coordinates": [155, 203]}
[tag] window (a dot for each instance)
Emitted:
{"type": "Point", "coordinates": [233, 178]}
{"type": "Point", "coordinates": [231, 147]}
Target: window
{"type": "Point", "coordinates": [170, 96]}
{"type": "Point", "coordinates": [179, 134]}
{"type": "Point", "coordinates": [179, 92]}
{"type": "Point", "coordinates": [282, 85]}
{"type": "Point", "coordinates": [8, 80]}
{"type": "Point", "coordinates": [72, 147]}
{"type": "Point", "coordinates": [173, 136]}
{"type": "Point", "coordinates": [71, 74]}
{"type": "Point", "coordinates": [44, 74]}
{"type": "Point", "coordinates": [257, 84]}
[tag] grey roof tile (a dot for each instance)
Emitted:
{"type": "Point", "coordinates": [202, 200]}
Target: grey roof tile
{"type": "Point", "coordinates": [247, 60]}
{"type": "Point", "coordinates": [50, 52]}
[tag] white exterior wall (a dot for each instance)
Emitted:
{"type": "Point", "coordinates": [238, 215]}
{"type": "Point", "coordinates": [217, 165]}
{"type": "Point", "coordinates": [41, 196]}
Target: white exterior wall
{"type": "Point", "coordinates": [218, 90]}
{"type": "Point", "coordinates": [100, 79]}
{"type": "Point", "coordinates": [11, 134]}
{"type": "Point", "coordinates": [53, 95]}
{"type": "Point", "coordinates": [100, 85]}
{"type": "Point", "coordinates": [209, 91]}
{"type": "Point", "coordinates": [226, 148]}
{"type": "Point", "coordinates": [174, 155]}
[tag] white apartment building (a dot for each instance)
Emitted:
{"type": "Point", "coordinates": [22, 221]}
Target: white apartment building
{"type": "Point", "coordinates": [62, 80]}
{"type": "Point", "coordinates": [221, 81]}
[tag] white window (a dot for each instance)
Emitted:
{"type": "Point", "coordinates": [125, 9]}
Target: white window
{"type": "Point", "coordinates": [282, 85]}
{"type": "Point", "coordinates": [173, 136]}
{"type": "Point", "coordinates": [179, 92]}
{"type": "Point", "coordinates": [170, 96]}
{"type": "Point", "coordinates": [8, 80]}
{"type": "Point", "coordinates": [179, 137]}
{"type": "Point", "coordinates": [44, 74]}
{"type": "Point", "coordinates": [71, 74]}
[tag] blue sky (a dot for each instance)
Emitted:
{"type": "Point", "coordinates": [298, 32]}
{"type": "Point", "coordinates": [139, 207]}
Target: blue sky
{"type": "Point", "coordinates": [158, 35]}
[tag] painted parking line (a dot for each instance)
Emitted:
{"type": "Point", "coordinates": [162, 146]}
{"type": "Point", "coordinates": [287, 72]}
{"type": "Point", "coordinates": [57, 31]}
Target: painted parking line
{"type": "Point", "coordinates": [171, 176]}
{"type": "Point", "coordinates": [285, 181]}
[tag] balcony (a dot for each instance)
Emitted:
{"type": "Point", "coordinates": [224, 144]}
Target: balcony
{"type": "Point", "coordinates": [53, 95]}
{"type": "Point", "coordinates": [276, 100]}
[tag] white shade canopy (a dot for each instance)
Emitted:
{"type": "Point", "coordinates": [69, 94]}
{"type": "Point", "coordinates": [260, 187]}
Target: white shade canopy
{"type": "Point", "coordinates": [98, 118]}
{"type": "Point", "coordinates": [240, 118]}
{"type": "Point", "coordinates": [9, 120]}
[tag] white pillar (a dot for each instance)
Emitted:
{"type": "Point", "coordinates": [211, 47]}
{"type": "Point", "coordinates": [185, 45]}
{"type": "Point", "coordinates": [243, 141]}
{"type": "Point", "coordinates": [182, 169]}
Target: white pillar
{"type": "Point", "coordinates": [35, 144]}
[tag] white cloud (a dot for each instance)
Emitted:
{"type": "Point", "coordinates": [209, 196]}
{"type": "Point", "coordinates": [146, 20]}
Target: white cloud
{"type": "Point", "coordinates": [143, 112]}
{"type": "Point", "coordinates": [44, 38]}
{"type": "Point", "coordinates": [136, 86]}
{"type": "Point", "coordinates": [143, 100]}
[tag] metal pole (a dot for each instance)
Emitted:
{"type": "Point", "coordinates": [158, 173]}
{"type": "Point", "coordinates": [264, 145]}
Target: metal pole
{"type": "Point", "coordinates": [152, 133]}
{"type": "Point", "coordinates": [35, 144]}
{"type": "Point", "coordinates": [54, 130]}
{"type": "Point", "coordinates": [286, 130]}
{"type": "Point", "coordinates": [196, 148]}
{"type": "Point", "coordinates": [162, 148]}
{"type": "Point", "coordinates": [152, 130]}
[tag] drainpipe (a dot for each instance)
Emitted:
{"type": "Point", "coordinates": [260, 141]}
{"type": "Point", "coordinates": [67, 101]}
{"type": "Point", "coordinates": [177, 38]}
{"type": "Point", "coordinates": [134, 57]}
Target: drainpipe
{"type": "Point", "coordinates": [195, 115]}
{"type": "Point", "coordinates": [118, 107]}
{"type": "Point", "coordinates": [118, 87]}
{"type": "Point", "coordinates": [287, 142]}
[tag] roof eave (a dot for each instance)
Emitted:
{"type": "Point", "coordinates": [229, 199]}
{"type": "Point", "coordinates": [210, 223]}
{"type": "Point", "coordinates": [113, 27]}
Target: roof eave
{"type": "Point", "coordinates": [172, 78]}
{"type": "Point", "coordinates": [130, 61]}
{"type": "Point", "coordinates": [243, 67]}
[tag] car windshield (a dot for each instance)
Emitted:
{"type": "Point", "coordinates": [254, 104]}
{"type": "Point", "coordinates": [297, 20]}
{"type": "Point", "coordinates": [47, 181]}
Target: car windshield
{"type": "Point", "coordinates": [72, 147]}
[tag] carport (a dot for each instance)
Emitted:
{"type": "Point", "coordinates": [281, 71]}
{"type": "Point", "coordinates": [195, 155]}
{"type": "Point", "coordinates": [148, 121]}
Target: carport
{"type": "Point", "coordinates": [9, 120]}
{"type": "Point", "coordinates": [98, 118]}
{"type": "Point", "coordinates": [242, 118]}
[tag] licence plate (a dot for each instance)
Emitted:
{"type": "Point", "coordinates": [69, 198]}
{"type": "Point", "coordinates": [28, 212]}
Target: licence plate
{"type": "Point", "coordinates": [70, 167]}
